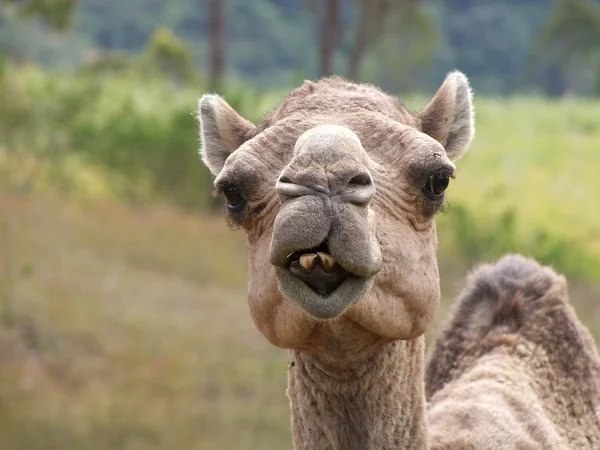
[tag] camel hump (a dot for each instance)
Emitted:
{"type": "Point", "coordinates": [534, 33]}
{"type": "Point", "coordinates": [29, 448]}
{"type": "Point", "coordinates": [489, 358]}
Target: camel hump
{"type": "Point", "coordinates": [503, 294]}
{"type": "Point", "coordinates": [517, 304]}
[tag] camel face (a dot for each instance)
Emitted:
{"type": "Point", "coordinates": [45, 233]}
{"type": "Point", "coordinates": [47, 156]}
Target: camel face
{"type": "Point", "coordinates": [337, 190]}
{"type": "Point", "coordinates": [324, 245]}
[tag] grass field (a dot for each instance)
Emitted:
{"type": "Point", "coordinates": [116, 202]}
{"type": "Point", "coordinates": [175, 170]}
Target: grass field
{"type": "Point", "coordinates": [528, 184]}
{"type": "Point", "coordinates": [126, 327]}
{"type": "Point", "coordinates": [130, 330]}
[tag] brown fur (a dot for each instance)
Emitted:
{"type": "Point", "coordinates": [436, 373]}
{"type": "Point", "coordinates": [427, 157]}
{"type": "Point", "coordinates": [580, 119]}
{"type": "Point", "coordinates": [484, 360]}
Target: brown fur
{"type": "Point", "coordinates": [449, 116]}
{"type": "Point", "coordinates": [222, 127]}
{"type": "Point", "coordinates": [401, 158]}
{"type": "Point", "coordinates": [375, 402]}
{"type": "Point", "coordinates": [321, 134]}
{"type": "Point", "coordinates": [513, 369]}
{"type": "Point", "coordinates": [336, 96]}
{"type": "Point", "coordinates": [515, 349]}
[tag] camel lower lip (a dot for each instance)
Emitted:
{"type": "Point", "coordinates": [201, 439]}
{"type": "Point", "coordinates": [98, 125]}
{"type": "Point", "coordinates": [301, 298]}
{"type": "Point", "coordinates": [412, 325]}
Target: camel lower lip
{"type": "Point", "coordinates": [319, 304]}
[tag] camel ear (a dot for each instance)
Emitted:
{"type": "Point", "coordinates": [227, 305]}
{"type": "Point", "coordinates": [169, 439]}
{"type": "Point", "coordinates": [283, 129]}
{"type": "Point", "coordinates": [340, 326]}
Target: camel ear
{"type": "Point", "coordinates": [222, 131]}
{"type": "Point", "coordinates": [449, 117]}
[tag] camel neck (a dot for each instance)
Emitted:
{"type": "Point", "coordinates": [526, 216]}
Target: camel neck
{"type": "Point", "coordinates": [376, 402]}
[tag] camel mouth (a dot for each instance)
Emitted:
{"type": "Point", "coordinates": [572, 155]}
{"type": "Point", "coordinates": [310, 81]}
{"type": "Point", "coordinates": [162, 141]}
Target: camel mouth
{"type": "Point", "coordinates": [319, 283]}
{"type": "Point", "coordinates": [323, 265]}
{"type": "Point", "coordinates": [318, 269]}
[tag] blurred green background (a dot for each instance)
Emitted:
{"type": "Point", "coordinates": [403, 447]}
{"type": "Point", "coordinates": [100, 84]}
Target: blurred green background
{"type": "Point", "coordinates": [123, 322]}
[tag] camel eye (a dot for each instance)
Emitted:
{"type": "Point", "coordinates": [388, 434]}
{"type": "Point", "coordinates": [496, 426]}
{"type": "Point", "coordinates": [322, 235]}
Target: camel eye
{"type": "Point", "coordinates": [233, 196]}
{"type": "Point", "coordinates": [436, 186]}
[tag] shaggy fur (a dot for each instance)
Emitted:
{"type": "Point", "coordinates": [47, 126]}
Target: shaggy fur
{"type": "Point", "coordinates": [514, 367]}
{"type": "Point", "coordinates": [373, 403]}
{"type": "Point", "coordinates": [321, 136]}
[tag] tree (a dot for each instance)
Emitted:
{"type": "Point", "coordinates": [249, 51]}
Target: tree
{"type": "Point", "coordinates": [328, 16]}
{"type": "Point", "coordinates": [217, 38]}
{"type": "Point", "coordinates": [570, 39]}
{"type": "Point", "coordinates": [374, 18]}
{"type": "Point", "coordinates": [370, 13]}
{"type": "Point", "coordinates": [56, 13]}
{"type": "Point", "coordinates": [170, 55]}
{"type": "Point", "coordinates": [330, 31]}
{"type": "Point", "coordinates": [371, 23]}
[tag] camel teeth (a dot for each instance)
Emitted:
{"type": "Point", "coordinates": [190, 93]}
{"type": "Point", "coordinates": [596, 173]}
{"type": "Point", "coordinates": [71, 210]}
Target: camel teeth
{"type": "Point", "coordinates": [307, 261]}
{"type": "Point", "coordinates": [327, 260]}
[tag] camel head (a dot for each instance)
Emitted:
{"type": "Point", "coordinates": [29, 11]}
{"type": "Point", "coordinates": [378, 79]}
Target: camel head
{"type": "Point", "coordinates": [337, 190]}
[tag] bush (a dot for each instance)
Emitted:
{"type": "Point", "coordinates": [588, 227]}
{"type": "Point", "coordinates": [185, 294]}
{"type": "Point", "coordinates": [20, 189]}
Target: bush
{"type": "Point", "coordinates": [475, 238]}
{"type": "Point", "coordinates": [140, 126]}
{"type": "Point", "coordinates": [527, 185]}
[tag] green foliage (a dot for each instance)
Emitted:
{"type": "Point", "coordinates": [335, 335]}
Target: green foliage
{"type": "Point", "coordinates": [170, 55]}
{"type": "Point", "coordinates": [533, 161]}
{"type": "Point", "coordinates": [528, 185]}
{"type": "Point", "coordinates": [408, 45]}
{"type": "Point", "coordinates": [135, 124]}
{"type": "Point", "coordinates": [56, 13]}
{"type": "Point", "coordinates": [488, 238]}
{"type": "Point", "coordinates": [31, 40]}
{"type": "Point", "coordinates": [573, 25]}
{"type": "Point", "coordinates": [267, 42]}
{"type": "Point", "coordinates": [491, 41]}
{"type": "Point", "coordinates": [570, 40]}
{"type": "Point", "coordinates": [107, 62]}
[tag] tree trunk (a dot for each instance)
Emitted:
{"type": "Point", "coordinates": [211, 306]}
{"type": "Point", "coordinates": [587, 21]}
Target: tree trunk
{"type": "Point", "coordinates": [329, 37]}
{"type": "Point", "coordinates": [6, 276]}
{"type": "Point", "coordinates": [360, 42]}
{"type": "Point", "coordinates": [217, 44]}
{"type": "Point", "coordinates": [571, 70]}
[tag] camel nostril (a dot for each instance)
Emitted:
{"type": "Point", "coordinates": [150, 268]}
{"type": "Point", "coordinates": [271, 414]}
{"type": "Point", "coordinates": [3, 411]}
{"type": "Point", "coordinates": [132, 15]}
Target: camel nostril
{"type": "Point", "coordinates": [285, 179]}
{"type": "Point", "coordinates": [363, 179]}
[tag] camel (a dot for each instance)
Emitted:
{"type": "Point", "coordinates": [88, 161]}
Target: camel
{"type": "Point", "coordinates": [337, 191]}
